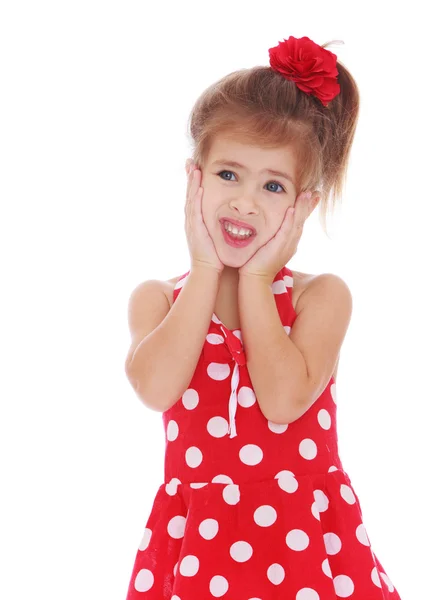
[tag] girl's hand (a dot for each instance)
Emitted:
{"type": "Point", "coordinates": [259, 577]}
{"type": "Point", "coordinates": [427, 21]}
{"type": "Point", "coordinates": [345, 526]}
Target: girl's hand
{"type": "Point", "coordinates": [201, 247]}
{"type": "Point", "coordinates": [275, 254]}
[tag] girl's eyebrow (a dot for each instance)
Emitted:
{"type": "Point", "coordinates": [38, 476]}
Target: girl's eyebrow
{"type": "Point", "coordinates": [233, 163]}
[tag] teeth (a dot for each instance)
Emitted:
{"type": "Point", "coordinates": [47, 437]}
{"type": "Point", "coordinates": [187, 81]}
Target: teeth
{"type": "Point", "coordinates": [236, 232]}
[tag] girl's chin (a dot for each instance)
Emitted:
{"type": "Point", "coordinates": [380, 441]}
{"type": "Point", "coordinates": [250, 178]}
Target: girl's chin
{"type": "Point", "coordinates": [234, 259]}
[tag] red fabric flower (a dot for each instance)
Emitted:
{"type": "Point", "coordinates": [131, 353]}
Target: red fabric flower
{"type": "Point", "coordinates": [311, 67]}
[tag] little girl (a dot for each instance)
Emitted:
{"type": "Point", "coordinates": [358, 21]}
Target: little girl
{"type": "Point", "coordinates": [240, 354]}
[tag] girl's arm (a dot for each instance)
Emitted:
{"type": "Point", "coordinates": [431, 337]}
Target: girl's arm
{"type": "Point", "coordinates": [290, 372]}
{"type": "Point", "coordinates": [164, 354]}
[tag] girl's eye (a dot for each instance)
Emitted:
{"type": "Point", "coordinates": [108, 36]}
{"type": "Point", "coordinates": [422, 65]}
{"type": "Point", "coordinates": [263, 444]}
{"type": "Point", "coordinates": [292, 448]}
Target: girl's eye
{"type": "Point", "coordinates": [273, 182]}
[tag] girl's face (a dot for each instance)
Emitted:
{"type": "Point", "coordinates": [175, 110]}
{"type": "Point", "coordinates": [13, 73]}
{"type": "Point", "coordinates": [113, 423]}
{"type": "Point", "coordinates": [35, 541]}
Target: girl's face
{"type": "Point", "coordinates": [250, 194]}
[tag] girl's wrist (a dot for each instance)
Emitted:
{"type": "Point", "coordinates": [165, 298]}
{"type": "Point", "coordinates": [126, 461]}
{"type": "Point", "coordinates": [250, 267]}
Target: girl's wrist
{"type": "Point", "coordinates": [205, 269]}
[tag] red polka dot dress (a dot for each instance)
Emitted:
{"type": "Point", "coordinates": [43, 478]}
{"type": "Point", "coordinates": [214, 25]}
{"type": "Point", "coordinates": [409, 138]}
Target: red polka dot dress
{"type": "Point", "coordinates": [251, 509]}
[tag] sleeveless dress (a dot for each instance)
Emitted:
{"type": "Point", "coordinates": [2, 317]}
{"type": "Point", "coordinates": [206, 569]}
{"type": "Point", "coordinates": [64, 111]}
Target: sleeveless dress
{"type": "Point", "coordinates": [251, 509]}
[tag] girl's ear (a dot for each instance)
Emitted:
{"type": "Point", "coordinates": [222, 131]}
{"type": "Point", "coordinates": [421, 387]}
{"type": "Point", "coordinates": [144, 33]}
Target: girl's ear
{"type": "Point", "coordinates": [315, 199]}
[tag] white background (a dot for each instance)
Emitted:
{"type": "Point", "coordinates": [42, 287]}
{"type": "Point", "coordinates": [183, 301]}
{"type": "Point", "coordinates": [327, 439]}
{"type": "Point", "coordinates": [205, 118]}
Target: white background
{"type": "Point", "coordinates": [94, 103]}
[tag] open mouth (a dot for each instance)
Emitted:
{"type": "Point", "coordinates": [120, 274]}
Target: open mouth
{"type": "Point", "coordinates": [236, 242]}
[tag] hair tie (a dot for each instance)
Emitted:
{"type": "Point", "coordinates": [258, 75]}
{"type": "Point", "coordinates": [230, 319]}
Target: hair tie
{"type": "Point", "coordinates": [312, 68]}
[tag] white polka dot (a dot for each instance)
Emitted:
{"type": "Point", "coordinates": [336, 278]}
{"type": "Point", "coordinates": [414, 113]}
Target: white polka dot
{"type": "Point", "coordinates": [308, 449]}
{"type": "Point", "coordinates": [215, 319]}
{"type": "Point", "coordinates": [278, 287]}
{"type": "Point", "coordinates": [218, 371]}
{"type": "Point", "coordinates": [189, 566]}
{"type": "Point", "coordinates": [287, 329]}
{"type": "Point", "coordinates": [171, 487]}
{"type": "Point", "coordinates": [387, 581]}
{"type": "Point", "coordinates": [361, 535]}
{"type": "Point", "coordinates": [218, 586]}
{"type": "Point", "coordinates": [176, 527]}
{"type": "Point", "coordinates": [343, 586]}
{"type": "Point", "coordinates": [145, 539]}
{"type": "Point", "coordinates": [238, 334]}
{"type": "Point", "coordinates": [251, 454]}
{"type": "Point", "coordinates": [181, 282]}
{"type": "Point", "coordinates": [331, 469]}
{"type": "Point", "coordinates": [172, 431]}
{"type": "Point", "coordinates": [324, 418]}
{"type": "Point", "coordinates": [315, 511]}
{"type": "Point", "coordinates": [217, 427]}
{"type": "Point", "coordinates": [215, 338]}
{"type": "Point", "coordinates": [265, 515]}
{"type": "Point", "coordinates": [322, 500]}
{"type": "Point", "coordinates": [307, 594]}
{"type": "Point", "coordinates": [175, 568]}
{"type": "Point", "coordinates": [222, 479]}
{"type": "Point", "coordinates": [190, 399]}
{"type": "Point", "coordinates": [198, 484]}
{"type": "Point", "coordinates": [246, 396]}
{"type": "Point", "coordinates": [332, 543]}
{"type": "Point", "coordinates": [231, 494]}
{"type": "Point", "coordinates": [297, 540]}
{"type": "Point", "coordinates": [175, 598]}
{"type": "Point", "coordinates": [288, 280]}
{"type": "Point", "coordinates": [144, 581]}
{"type": "Point", "coordinates": [375, 577]}
{"type": "Point", "coordinates": [209, 528]}
{"type": "Point", "coordinates": [326, 568]}
{"type": "Point", "coordinates": [287, 481]}
{"type": "Point", "coordinates": [275, 574]}
{"type": "Point", "coordinates": [241, 551]}
{"type": "Point", "coordinates": [333, 392]}
{"type": "Point", "coordinates": [277, 427]}
{"type": "Point", "coordinates": [193, 457]}
{"type": "Point", "coordinates": [347, 494]}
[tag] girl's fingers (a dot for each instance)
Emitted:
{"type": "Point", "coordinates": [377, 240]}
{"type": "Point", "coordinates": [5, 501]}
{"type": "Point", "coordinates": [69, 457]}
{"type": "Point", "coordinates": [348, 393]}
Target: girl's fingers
{"type": "Point", "coordinates": [190, 194]}
{"type": "Point", "coordinates": [192, 180]}
{"type": "Point", "coordinates": [194, 193]}
{"type": "Point", "coordinates": [198, 207]}
{"type": "Point", "coordinates": [193, 185]}
{"type": "Point", "coordinates": [302, 205]}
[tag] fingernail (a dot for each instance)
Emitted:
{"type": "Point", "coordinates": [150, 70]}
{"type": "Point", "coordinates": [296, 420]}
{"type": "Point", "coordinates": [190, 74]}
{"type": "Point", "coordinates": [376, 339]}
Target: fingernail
{"type": "Point", "coordinates": [308, 195]}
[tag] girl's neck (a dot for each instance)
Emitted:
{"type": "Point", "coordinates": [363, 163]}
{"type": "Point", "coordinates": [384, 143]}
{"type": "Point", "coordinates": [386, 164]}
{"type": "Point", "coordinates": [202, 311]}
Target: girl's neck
{"type": "Point", "coordinates": [226, 306]}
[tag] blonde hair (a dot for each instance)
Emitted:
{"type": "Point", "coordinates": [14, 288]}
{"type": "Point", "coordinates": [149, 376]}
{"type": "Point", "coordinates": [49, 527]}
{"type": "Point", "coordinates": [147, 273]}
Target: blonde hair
{"type": "Point", "coordinates": [259, 106]}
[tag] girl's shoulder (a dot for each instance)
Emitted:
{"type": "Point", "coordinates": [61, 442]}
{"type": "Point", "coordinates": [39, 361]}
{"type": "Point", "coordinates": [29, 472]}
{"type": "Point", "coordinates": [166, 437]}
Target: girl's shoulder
{"type": "Point", "coordinates": [300, 283]}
